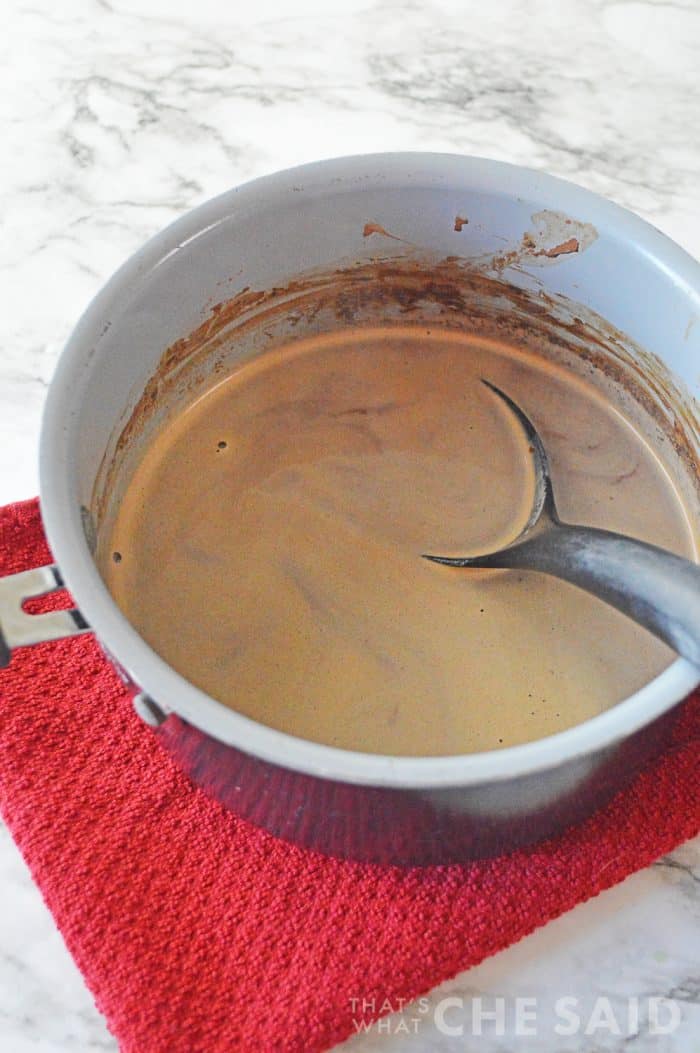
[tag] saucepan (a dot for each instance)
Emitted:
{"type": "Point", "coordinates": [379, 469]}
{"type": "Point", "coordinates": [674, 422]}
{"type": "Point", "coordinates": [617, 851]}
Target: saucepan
{"type": "Point", "coordinates": [591, 265]}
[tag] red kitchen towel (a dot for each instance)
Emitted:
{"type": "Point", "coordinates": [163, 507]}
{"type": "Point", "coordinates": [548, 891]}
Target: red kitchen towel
{"type": "Point", "coordinates": [198, 933]}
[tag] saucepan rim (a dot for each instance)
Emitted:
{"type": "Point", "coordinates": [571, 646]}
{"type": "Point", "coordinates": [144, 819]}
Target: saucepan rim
{"type": "Point", "coordinates": [65, 532]}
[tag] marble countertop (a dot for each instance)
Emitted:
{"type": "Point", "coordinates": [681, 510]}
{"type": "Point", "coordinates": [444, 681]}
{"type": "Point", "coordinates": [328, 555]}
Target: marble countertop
{"type": "Point", "coordinates": [118, 115]}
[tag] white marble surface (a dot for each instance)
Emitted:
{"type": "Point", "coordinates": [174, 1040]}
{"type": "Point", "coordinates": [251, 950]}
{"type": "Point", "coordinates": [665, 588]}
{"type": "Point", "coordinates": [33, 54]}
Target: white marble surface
{"type": "Point", "coordinates": [117, 115]}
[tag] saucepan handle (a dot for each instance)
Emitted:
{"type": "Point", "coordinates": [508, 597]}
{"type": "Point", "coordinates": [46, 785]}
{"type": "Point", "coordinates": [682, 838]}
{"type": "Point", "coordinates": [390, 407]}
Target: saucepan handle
{"type": "Point", "coordinates": [17, 627]}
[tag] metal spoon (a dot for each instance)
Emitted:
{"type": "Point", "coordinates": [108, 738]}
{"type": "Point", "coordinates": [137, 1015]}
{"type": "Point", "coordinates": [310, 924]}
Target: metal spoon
{"type": "Point", "coordinates": [654, 587]}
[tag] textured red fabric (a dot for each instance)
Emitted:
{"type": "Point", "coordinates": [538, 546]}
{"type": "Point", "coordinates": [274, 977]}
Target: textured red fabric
{"type": "Point", "coordinates": [198, 933]}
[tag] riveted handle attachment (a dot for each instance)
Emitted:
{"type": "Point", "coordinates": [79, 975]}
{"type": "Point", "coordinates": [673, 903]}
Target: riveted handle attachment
{"type": "Point", "coordinates": [20, 629]}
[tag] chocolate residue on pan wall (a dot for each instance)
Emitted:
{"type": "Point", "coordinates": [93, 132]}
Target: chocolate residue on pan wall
{"type": "Point", "coordinates": [571, 245]}
{"type": "Point", "coordinates": [377, 228]}
{"type": "Point", "coordinates": [555, 234]}
{"type": "Point", "coordinates": [449, 292]}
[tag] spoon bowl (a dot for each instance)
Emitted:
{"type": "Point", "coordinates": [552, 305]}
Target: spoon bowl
{"type": "Point", "coordinates": [654, 587]}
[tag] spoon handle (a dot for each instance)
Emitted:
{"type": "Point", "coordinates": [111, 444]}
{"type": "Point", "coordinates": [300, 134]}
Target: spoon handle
{"type": "Point", "coordinates": [654, 587]}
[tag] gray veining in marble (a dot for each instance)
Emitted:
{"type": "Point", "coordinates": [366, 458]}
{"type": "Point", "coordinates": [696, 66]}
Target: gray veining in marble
{"type": "Point", "coordinates": [117, 115]}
